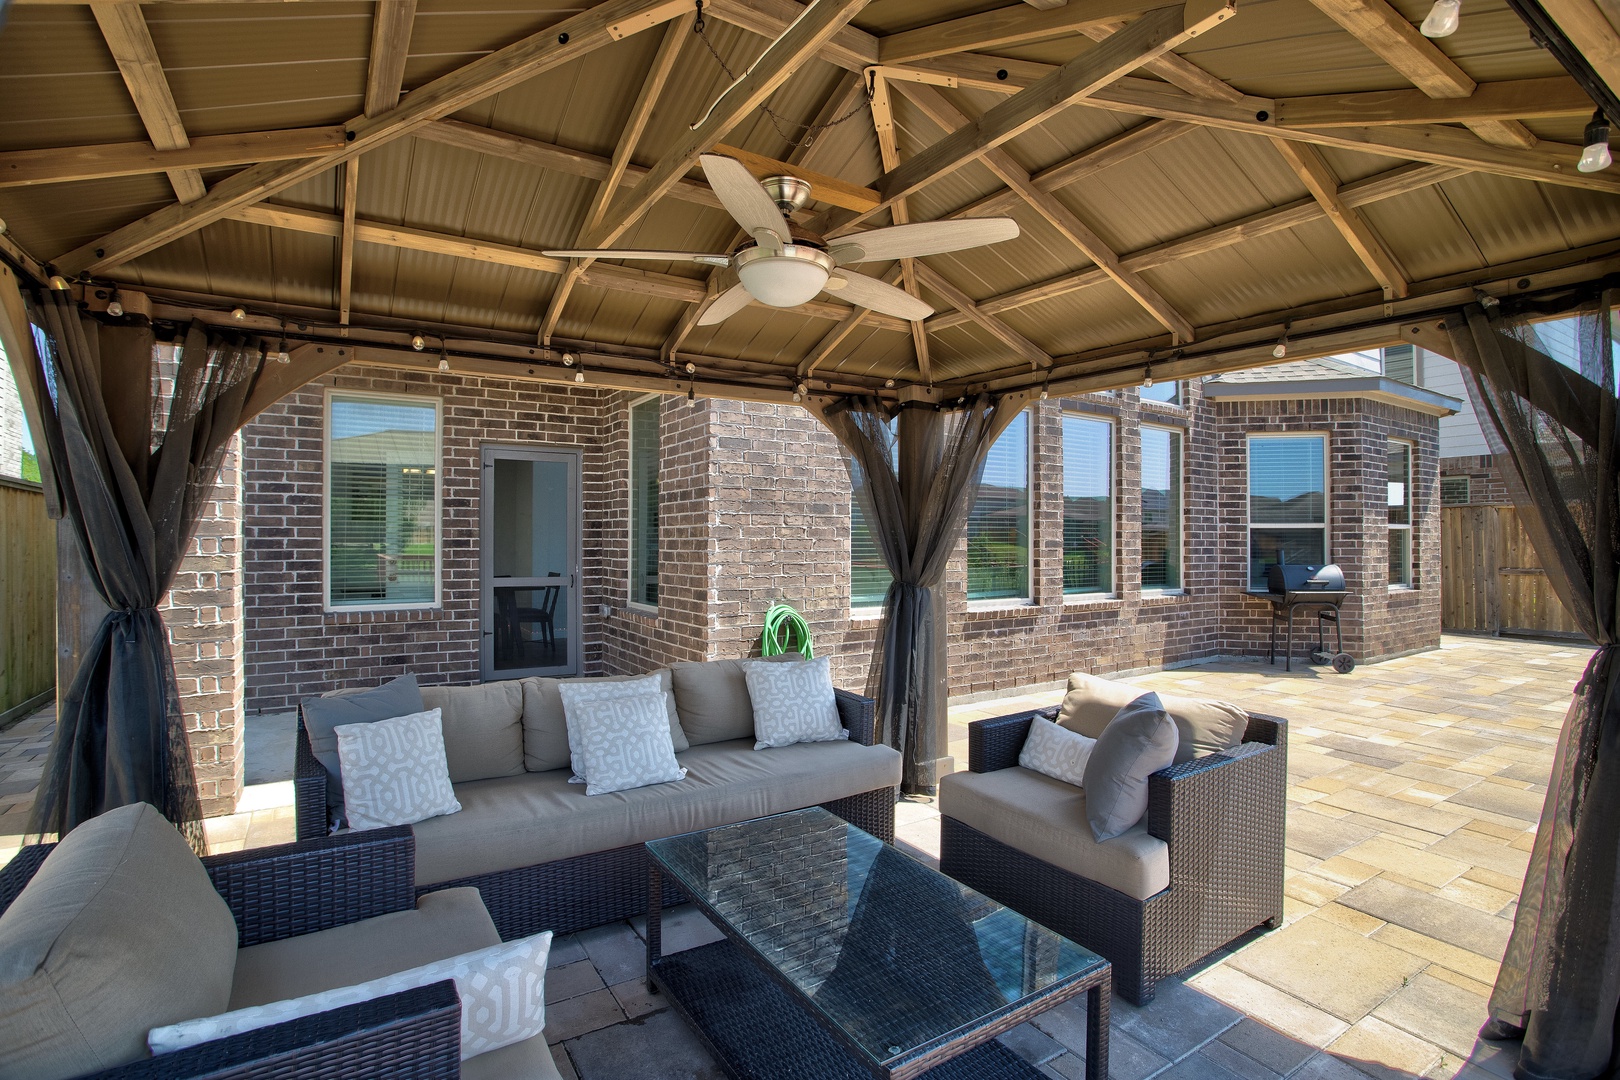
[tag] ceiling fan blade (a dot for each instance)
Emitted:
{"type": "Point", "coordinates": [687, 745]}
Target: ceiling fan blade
{"type": "Point", "coordinates": [704, 257]}
{"type": "Point", "coordinates": [743, 198]}
{"type": "Point", "coordinates": [869, 292]}
{"type": "Point", "coordinates": [725, 305]}
{"type": "Point", "coordinates": [922, 238]}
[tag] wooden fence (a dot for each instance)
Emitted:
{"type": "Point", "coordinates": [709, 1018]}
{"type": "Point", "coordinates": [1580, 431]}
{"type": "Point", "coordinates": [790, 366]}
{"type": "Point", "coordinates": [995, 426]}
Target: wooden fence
{"type": "Point", "coordinates": [1491, 579]}
{"type": "Point", "coordinates": [27, 597]}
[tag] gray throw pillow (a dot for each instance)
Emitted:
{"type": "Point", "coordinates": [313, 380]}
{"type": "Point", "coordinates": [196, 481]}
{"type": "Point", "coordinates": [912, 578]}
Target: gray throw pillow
{"type": "Point", "coordinates": [1140, 740]}
{"type": "Point", "coordinates": [322, 715]}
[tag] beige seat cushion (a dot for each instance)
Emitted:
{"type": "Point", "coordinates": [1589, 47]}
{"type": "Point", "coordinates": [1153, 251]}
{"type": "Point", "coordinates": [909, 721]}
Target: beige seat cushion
{"type": "Point", "coordinates": [483, 728]}
{"type": "Point", "coordinates": [1205, 726]}
{"type": "Point", "coordinates": [1046, 818]}
{"type": "Point", "coordinates": [119, 931]}
{"type": "Point", "coordinates": [545, 724]}
{"type": "Point", "coordinates": [528, 1060]}
{"type": "Point", "coordinates": [518, 821]}
{"type": "Point", "coordinates": [443, 924]}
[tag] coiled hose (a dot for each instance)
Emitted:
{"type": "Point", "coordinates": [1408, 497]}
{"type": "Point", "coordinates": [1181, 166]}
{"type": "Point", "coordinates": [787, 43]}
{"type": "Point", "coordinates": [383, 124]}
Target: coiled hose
{"type": "Point", "coordinates": [785, 631]}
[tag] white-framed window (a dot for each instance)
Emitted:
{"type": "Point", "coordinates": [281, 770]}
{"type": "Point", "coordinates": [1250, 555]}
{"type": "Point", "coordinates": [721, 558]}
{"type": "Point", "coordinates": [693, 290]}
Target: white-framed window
{"type": "Point", "coordinates": [1088, 505]}
{"type": "Point", "coordinates": [998, 524]}
{"type": "Point", "coordinates": [1165, 392]}
{"type": "Point", "coordinates": [646, 414]}
{"type": "Point", "coordinates": [1455, 491]}
{"type": "Point", "coordinates": [869, 577]}
{"type": "Point", "coordinates": [383, 497]}
{"type": "Point", "coordinates": [1161, 508]}
{"type": "Point", "coordinates": [1400, 513]}
{"type": "Point", "coordinates": [1287, 503]}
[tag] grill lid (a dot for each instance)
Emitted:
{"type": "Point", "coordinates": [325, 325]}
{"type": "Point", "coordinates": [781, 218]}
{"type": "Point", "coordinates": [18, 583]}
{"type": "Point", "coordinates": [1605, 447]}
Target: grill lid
{"type": "Point", "coordinates": [1286, 578]}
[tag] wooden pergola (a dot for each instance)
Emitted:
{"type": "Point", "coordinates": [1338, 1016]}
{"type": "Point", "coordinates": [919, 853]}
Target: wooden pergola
{"type": "Point", "coordinates": [1192, 181]}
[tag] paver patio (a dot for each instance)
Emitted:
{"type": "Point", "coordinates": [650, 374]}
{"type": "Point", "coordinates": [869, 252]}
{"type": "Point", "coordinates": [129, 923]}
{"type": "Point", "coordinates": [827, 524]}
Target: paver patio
{"type": "Point", "coordinates": [1414, 789]}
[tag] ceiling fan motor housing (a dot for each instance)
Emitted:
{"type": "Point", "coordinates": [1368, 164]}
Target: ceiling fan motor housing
{"type": "Point", "coordinates": [788, 192]}
{"type": "Point", "coordinates": [785, 278]}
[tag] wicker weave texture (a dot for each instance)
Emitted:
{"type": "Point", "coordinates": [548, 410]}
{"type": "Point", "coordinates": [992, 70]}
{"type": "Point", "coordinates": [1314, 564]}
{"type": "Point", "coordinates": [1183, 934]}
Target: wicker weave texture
{"type": "Point", "coordinates": [20, 871]}
{"type": "Point", "coordinates": [309, 787]}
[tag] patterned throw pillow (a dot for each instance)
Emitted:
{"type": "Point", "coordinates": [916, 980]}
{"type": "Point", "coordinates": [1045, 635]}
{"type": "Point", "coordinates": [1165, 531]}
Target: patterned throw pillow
{"type": "Point", "coordinates": [1056, 752]}
{"type": "Point", "coordinates": [395, 772]}
{"type": "Point", "coordinates": [793, 703]}
{"type": "Point", "coordinates": [577, 693]}
{"type": "Point", "coordinates": [625, 741]}
{"type": "Point", "coordinates": [502, 990]}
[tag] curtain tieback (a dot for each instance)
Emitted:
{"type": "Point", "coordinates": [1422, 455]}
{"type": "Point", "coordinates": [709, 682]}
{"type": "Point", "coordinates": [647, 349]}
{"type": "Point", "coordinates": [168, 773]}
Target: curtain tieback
{"type": "Point", "coordinates": [1599, 661]}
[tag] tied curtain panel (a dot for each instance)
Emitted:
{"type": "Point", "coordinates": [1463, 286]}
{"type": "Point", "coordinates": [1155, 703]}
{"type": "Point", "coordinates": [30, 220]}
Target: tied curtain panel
{"type": "Point", "coordinates": [134, 436]}
{"type": "Point", "coordinates": [915, 477]}
{"type": "Point", "coordinates": [1552, 429]}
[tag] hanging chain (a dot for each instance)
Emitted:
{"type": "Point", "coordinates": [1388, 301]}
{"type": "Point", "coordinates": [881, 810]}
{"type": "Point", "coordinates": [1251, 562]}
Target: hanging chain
{"type": "Point", "coordinates": [782, 124]}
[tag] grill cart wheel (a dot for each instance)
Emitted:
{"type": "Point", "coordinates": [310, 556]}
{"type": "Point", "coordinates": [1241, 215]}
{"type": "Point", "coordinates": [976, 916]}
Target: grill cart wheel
{"type": "Point", "coordinates": [1320, 657]}
{"type": "Point", "coordinates": [1344, 663]}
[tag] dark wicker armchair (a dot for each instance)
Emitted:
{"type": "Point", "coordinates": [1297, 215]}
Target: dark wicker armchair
{"type": "Point", "coordinates": [1222, 819]}
{"type": "Point", "coordinates": [293, 889]}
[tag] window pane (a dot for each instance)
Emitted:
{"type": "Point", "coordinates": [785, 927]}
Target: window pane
{"type": "Point", "coordinates": [1161, 508]}
{"type": "Point", "coordinates": [1454, 491]}
{"type": "Point", "coordinates": [644, 417]}
{"type": "Point", "coordinates": [1400, 556]}
{"type": "Point", "coordinates": [382, 501]}
{"type": "Point", "coordinates": [1267, 546]}
{"type": "Point", "coordinates": [1167, 392]}
{"type": "Point", "coordinates": [998, 526]}
{"type": "Point", "coordinates": [869, 577]}
{"type": "Point", "coordinates": [1400, 484]}
{"type": "Point", "coordinates": [1285, 481]}
{"type": "Point", "coordinates": [1088, 505]}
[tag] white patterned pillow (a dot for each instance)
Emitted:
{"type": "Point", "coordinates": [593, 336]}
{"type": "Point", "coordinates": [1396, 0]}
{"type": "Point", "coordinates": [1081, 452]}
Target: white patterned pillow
{"type": "Point", "coordinates": [577, 693]}
{"type": "Point", "coordinates": [625, 740]}
{"type": "Point", "coordinates": [502, 990]}
{"type": "Point", "coordinates": [394, 771]}
{"type": "Point", "coordinates": [1056, 752]}
{"type": "Point", "coordinates": [793, 703]}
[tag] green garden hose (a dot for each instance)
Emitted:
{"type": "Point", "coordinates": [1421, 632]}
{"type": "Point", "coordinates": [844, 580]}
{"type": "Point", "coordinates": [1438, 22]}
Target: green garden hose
{"type": "Point", "coordinates": [785, 631]}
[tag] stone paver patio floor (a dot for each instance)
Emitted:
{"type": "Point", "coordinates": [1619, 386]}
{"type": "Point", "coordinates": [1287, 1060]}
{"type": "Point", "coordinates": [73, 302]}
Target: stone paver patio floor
{"type": "Point", "coordinates": [1414, 790]}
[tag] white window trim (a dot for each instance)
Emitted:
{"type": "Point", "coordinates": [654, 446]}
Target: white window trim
{"type": "Point", "coordinates": [333, 393]}
{"type": "Point", "coordinates": [1028, 599]}
{"type": "Point", "coordinates": [1112, 592]}
{"type": "Point", "coordinates": [630, 479]}
{"type": "Point", "coordinates": [1181, 510]}
{"type": "Point", "coordinates": [1411, 516]}
{"type": "Point", "coordinates": [1327, 496]}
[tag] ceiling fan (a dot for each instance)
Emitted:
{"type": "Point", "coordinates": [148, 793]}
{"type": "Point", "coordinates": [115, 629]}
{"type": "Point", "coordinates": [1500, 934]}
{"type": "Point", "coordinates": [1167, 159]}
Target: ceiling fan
{"type": "Point", "coordinates": [784, 266]}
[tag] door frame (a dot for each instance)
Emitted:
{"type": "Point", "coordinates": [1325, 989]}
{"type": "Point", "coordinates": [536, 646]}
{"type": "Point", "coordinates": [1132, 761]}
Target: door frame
{"type": "Point", "coordinates": [573, 457]}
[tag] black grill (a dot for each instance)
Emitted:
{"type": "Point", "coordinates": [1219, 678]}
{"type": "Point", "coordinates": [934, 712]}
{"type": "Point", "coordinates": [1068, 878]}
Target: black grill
{"type": "Point", "coordinates": [1291, 587]}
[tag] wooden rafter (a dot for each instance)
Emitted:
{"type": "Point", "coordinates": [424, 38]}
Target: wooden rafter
{"type": "Point", "coordinates": [851, 48]}
{"type": "Point", "coordinates": [830, 341]}
{"type": "Point", "coordinates": [1020, 345]}
{"type": "Point", "coordinates": [351, 191]}
{"type": "Point", "coordinates": [1593, 28]}
{"type": "Point", "coordinates": [130, 40]}
{"type": "Point", "coordinates": [1057, 214]}
{"type": "Point", "coordinates": [889, 153]}
{"type": "Point", "coordinates": [1523, 99]}
{"type": "Point", "coordinates": [1318, 178]}
{"type": "Point", "coordinates": [1397, 42]}
{"type": "Point", "coordinates": [559, 44]}
{"type": "Point", "coordinates": [20, 168]}
{"type": "Point", "coordinates": [832, 190]}
{"type": "Point", "coordinates": [802, 41]}
{"type": "Point", "coordinates": [651, 87]}
{"type": "Point", "coordinates": [391, 25]}
{"type": "Point", "coordinates": [1004, 28]}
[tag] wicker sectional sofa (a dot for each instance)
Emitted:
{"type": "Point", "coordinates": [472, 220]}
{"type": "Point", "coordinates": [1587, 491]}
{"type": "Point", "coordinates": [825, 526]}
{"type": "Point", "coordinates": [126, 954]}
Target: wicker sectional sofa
{"type": "Point", "coordinates": [1205, 867]}
{"type": "Point", "coordinates": [545, 856]}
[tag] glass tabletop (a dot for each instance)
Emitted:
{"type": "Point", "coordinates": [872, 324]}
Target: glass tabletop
{"type": "Point", "coordinates": [895, 954]}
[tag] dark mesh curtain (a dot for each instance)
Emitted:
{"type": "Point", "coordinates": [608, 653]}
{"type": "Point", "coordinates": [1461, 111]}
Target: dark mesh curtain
{"type": "Point", "coordinates": [915, 491]}
{"type": "Point", "coordinates": [1552, 428]}
{"type": "Point", "coordinates": [132, 474]}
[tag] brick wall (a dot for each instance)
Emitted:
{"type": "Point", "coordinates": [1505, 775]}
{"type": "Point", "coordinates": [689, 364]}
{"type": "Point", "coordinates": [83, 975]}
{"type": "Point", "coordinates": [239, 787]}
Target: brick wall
{"type": "Point", "coordinates": [1485, 487]}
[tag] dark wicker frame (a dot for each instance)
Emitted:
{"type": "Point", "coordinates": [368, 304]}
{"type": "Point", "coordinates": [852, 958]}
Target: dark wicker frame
{"type": "Point", "coordinates": [1224, 819]}
{"type": "Point", "coordinates": [602, 886]}
{"type": "Point", "coordinates": [290, 890]}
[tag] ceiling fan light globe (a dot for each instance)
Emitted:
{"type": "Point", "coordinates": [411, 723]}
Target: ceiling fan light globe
{"type": "Point", "coordinates": [785, 280]}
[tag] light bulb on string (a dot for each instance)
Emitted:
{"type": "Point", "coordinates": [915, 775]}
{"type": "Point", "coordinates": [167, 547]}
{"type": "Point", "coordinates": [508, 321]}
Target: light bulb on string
{"type": "Point", "coordinates": [1442, 19]}
{"type": "Point", "coordinates": [239, 314]}
{"type": "Point", "coordinates": [418, 342]}
{"type": "Point", "coordinates": [1596, 157]}
{"type": "Point", "coordinates": [1280, 350]}
{"type": "Point", "coordinates": [115, 308]}
{"type": "Point", "coordinates": [444, 361]}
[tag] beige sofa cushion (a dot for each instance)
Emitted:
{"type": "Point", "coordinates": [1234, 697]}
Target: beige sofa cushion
{"type": "Point", "coordinates": [119, 931]}
{"type": "Point", "coordinates": [442, 925]}
{"type": "Point", "coordinates": [711, 697]}
{"type": "Point", "coordinates": [1046, 818]}
{"type": "Point", "coordinates": [545, 724]}
{"type": "Point", "coordinates": [527, 1060]}
{"type": "Point", "coordinates": [483, 728]}
{"type": "Point", "coordinates": [1205, 726]}
{"type": "Point", "coordinates": [515, 821]}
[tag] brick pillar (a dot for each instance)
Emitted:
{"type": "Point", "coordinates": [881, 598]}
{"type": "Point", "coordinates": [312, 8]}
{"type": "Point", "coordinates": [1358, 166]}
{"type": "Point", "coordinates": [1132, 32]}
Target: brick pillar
{"type": "Point", "coordinates": [203, 612]}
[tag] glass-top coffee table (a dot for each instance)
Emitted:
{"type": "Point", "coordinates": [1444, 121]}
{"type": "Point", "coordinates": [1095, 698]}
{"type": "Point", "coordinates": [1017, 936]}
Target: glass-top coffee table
{"type": "Point", "coordinates": [844, 957]}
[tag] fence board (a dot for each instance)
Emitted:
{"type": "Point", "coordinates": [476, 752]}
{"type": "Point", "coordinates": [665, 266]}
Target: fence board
{"type": "Point", "coordinates": [1491, 579]}
{"type": "Point", "coordinates": [27, 595]}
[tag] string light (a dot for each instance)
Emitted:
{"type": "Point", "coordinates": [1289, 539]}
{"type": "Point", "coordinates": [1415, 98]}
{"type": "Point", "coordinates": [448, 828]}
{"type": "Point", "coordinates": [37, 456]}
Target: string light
{"type": "Point", "coordinates": [418, 342]}
{"type": "Point", "coordinates": [444, 360]}
{"type": "Point", "coordinates": [239, 314]}
{"type": "Point", "coordinates": [1280, 350]}
{"type": "Point", "coordinates": [1596, 156]}
{"type": "Point", "coordinates": [1442, 19]}
{"type": "Point", "coordinates": [568, 359]}
{"type": "Point", "coordinates": [888, 384]}
{"type": "Point", "coordinates": [114, 307]}
{"type": "Point", "coordinates": [691, 368]}
{"type": "Point", "coordinates": [1147, 377]}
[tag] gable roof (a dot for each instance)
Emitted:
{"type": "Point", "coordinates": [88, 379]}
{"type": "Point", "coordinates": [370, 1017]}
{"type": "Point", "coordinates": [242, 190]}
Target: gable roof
{"type": "Point", "coordinates": [1325, 376]}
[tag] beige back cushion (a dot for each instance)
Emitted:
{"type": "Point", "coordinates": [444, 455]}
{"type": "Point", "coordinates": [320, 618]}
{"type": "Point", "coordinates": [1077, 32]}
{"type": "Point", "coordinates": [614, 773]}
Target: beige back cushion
{"type": "Point", "coordinates": [712, 698]}
{"type": "Point", "coordinates": [545, 725]}
{"type": "Point", "coordinates": [1204, 726]}
{"type": "Point", "coordinates": [119, 931]}
{"type": "Point", "coordinates": [483, 728]}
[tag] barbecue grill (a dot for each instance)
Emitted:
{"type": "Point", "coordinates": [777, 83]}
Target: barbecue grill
{"type": "Point", "coordinates": [1292, 587]}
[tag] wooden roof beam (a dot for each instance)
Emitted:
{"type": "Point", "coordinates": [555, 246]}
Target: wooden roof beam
{"type": "Point", "coordinates": [346, 239]}
{"type": "Point", "coordinates": [1020, 345]}
{"type": "Point", "coordinates": [889, 153]}
{"type": "Point", "coordinates": [1397, 42]}
{"type": "Point", "coordinates": [1521, 99]}
{"type": "Point", "coordinates": [1592, 28]}
{"type": "Point", "coordinates": [130, 41]}
{"type": "Point", "coordinates": [1058, 215]}
{"type": "Point", "coordinates": [488, 75]}
{"type": "Point", "coordinates": [1318, 178]}
{"type": "Point", "coordinates": [801, 43]}
{"type": "Point", "coordinates": [651, 87]}
{"type": "Point", "coordinates": [850, 48]}
{"type": "Point", "coordinates": [58, 165]}
{"type": "Point", "coordinates": [1004, 28]}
